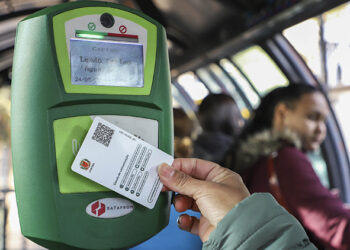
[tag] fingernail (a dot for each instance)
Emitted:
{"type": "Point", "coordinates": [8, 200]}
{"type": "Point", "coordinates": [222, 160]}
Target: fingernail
{"type": "Point", "coordinates": [178, 221]}
{"type": "Point", "coordinates": [166, 171]}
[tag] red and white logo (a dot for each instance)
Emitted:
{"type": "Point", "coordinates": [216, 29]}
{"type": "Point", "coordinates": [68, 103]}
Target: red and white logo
{"type": "Point", "coordinates": [85, 164]}
{"type": "Point", "coordinates": [98, 208]}
{"type": "Point", "coordinates": [109, 208]}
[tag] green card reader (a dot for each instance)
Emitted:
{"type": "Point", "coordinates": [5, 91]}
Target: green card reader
{"type": "Point", "coordinates": [73, 62]}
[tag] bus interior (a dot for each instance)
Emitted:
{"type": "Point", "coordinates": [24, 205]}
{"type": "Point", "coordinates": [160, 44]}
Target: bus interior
{"type": "Point", "coordinates": [240, 48]}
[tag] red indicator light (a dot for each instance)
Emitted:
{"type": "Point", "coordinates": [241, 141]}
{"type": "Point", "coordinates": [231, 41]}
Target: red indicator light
{"type": "Point", "coordinates": [123, 35]}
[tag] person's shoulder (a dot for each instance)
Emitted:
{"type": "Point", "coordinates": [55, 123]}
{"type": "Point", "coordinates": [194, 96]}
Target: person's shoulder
{"type": "Point", "coordinates": [291, 150]}
{"type": "Point", "coordinates": [290, 155]}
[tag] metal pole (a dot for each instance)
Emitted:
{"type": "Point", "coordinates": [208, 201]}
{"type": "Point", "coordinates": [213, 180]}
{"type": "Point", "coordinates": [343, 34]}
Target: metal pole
{"type": "Point", "coordinates": [323, 50]}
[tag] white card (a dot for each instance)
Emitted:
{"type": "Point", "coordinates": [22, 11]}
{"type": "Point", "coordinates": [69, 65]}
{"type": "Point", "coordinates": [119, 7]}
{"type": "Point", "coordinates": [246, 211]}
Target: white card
{"type": "Point", "coordinates": [121, 162]}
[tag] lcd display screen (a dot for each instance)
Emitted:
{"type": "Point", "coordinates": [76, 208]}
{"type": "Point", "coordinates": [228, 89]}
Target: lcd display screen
{"type": "Point", "coordinates": [106, 63]}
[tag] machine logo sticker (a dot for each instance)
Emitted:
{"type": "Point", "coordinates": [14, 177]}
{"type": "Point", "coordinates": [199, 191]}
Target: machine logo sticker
{"type": "Point", "coordinates": [109, 208]}
{"type": "Point", "coordinates": [98, 208]}
{"type": "Point", "coordinates": [85, 164]}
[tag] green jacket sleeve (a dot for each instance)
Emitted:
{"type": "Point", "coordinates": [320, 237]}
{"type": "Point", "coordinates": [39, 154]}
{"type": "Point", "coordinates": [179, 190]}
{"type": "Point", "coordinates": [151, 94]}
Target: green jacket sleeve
{"type": "Point", "coordinates": [258, 222]}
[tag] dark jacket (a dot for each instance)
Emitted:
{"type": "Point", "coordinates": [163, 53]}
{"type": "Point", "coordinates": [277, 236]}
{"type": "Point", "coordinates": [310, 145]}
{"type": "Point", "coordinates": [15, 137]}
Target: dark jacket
{"type": "Point", "coordinates": [319, 211]}
{"type": "Point", "coordinates": [212, 146]}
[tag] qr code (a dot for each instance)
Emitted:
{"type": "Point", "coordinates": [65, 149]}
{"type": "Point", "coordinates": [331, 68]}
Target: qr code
{"type": "Point", "coordinates": [103, 134]}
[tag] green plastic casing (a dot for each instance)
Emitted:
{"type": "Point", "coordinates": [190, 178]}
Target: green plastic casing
{"type": "Point", "coordinates": [43, 99]}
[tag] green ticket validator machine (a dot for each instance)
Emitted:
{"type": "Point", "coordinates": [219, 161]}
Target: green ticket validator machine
{"type": "Point", "coordinates": [73, 62]}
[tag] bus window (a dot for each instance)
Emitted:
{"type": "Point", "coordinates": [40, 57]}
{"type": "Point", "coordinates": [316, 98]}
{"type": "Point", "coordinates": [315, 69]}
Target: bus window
{"type": "Point", "coordinates": [208, 80]}
{"type": "Point", "coordinates": [309, 48]}
{"type": "Point", "coordinates": [260, 69]}
{"type": "Point", "coordinates": [193, 86]}
{"type": "Point", "coordinates": [217, 71]}
{"type": "Point", "coordinates": [242, 82]}
{"type": "Point", "coordinates": [330, 61]}
{"type": "Point", "coordinates": [337, 41]}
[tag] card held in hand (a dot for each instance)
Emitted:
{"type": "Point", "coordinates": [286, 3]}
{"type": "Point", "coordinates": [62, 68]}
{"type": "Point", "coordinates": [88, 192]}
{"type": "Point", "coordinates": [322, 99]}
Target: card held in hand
{"type": "Point", "coordinates": [121, 162]}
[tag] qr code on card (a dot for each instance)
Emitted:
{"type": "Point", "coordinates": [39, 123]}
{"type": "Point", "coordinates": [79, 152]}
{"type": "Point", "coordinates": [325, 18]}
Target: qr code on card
{"type": "Point", "coordinates": [103, 134]}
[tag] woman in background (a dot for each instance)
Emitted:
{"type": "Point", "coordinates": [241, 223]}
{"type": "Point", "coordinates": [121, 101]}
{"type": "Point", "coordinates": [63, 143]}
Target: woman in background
{"type": "Point", "coordinates": [289, 122]}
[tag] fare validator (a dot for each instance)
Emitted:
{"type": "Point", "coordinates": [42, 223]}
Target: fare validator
{"type": "Point", "coordinates": [74, 62]}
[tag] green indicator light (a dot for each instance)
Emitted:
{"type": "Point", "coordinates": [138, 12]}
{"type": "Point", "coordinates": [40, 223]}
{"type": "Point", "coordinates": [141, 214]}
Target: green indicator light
{"type": "Point", "coordinates": [89, 36]}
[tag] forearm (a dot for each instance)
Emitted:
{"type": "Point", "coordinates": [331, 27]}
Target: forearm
{"type": "Point", "coordinates": [258, 222]}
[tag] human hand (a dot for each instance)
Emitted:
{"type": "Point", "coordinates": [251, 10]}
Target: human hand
{"type": "Point", "coordinates": [205, 187]}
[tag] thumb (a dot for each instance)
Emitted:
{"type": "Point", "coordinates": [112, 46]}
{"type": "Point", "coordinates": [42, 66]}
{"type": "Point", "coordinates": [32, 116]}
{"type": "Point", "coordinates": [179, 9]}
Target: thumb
{"type": "Point", "coordinates": [178, 181]}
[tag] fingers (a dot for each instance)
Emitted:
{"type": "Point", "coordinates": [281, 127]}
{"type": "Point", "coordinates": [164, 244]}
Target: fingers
{"type": "Point", "coordinates": [197, 168]}
{"type": "Point", "coordinates": [200, 227]}
{"type": "Point", "coordinates": [179, 181]}
{"type": "Point", "coordinates": [188, 223]}
{"type": "Point", "coordinates": [183, 203]}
